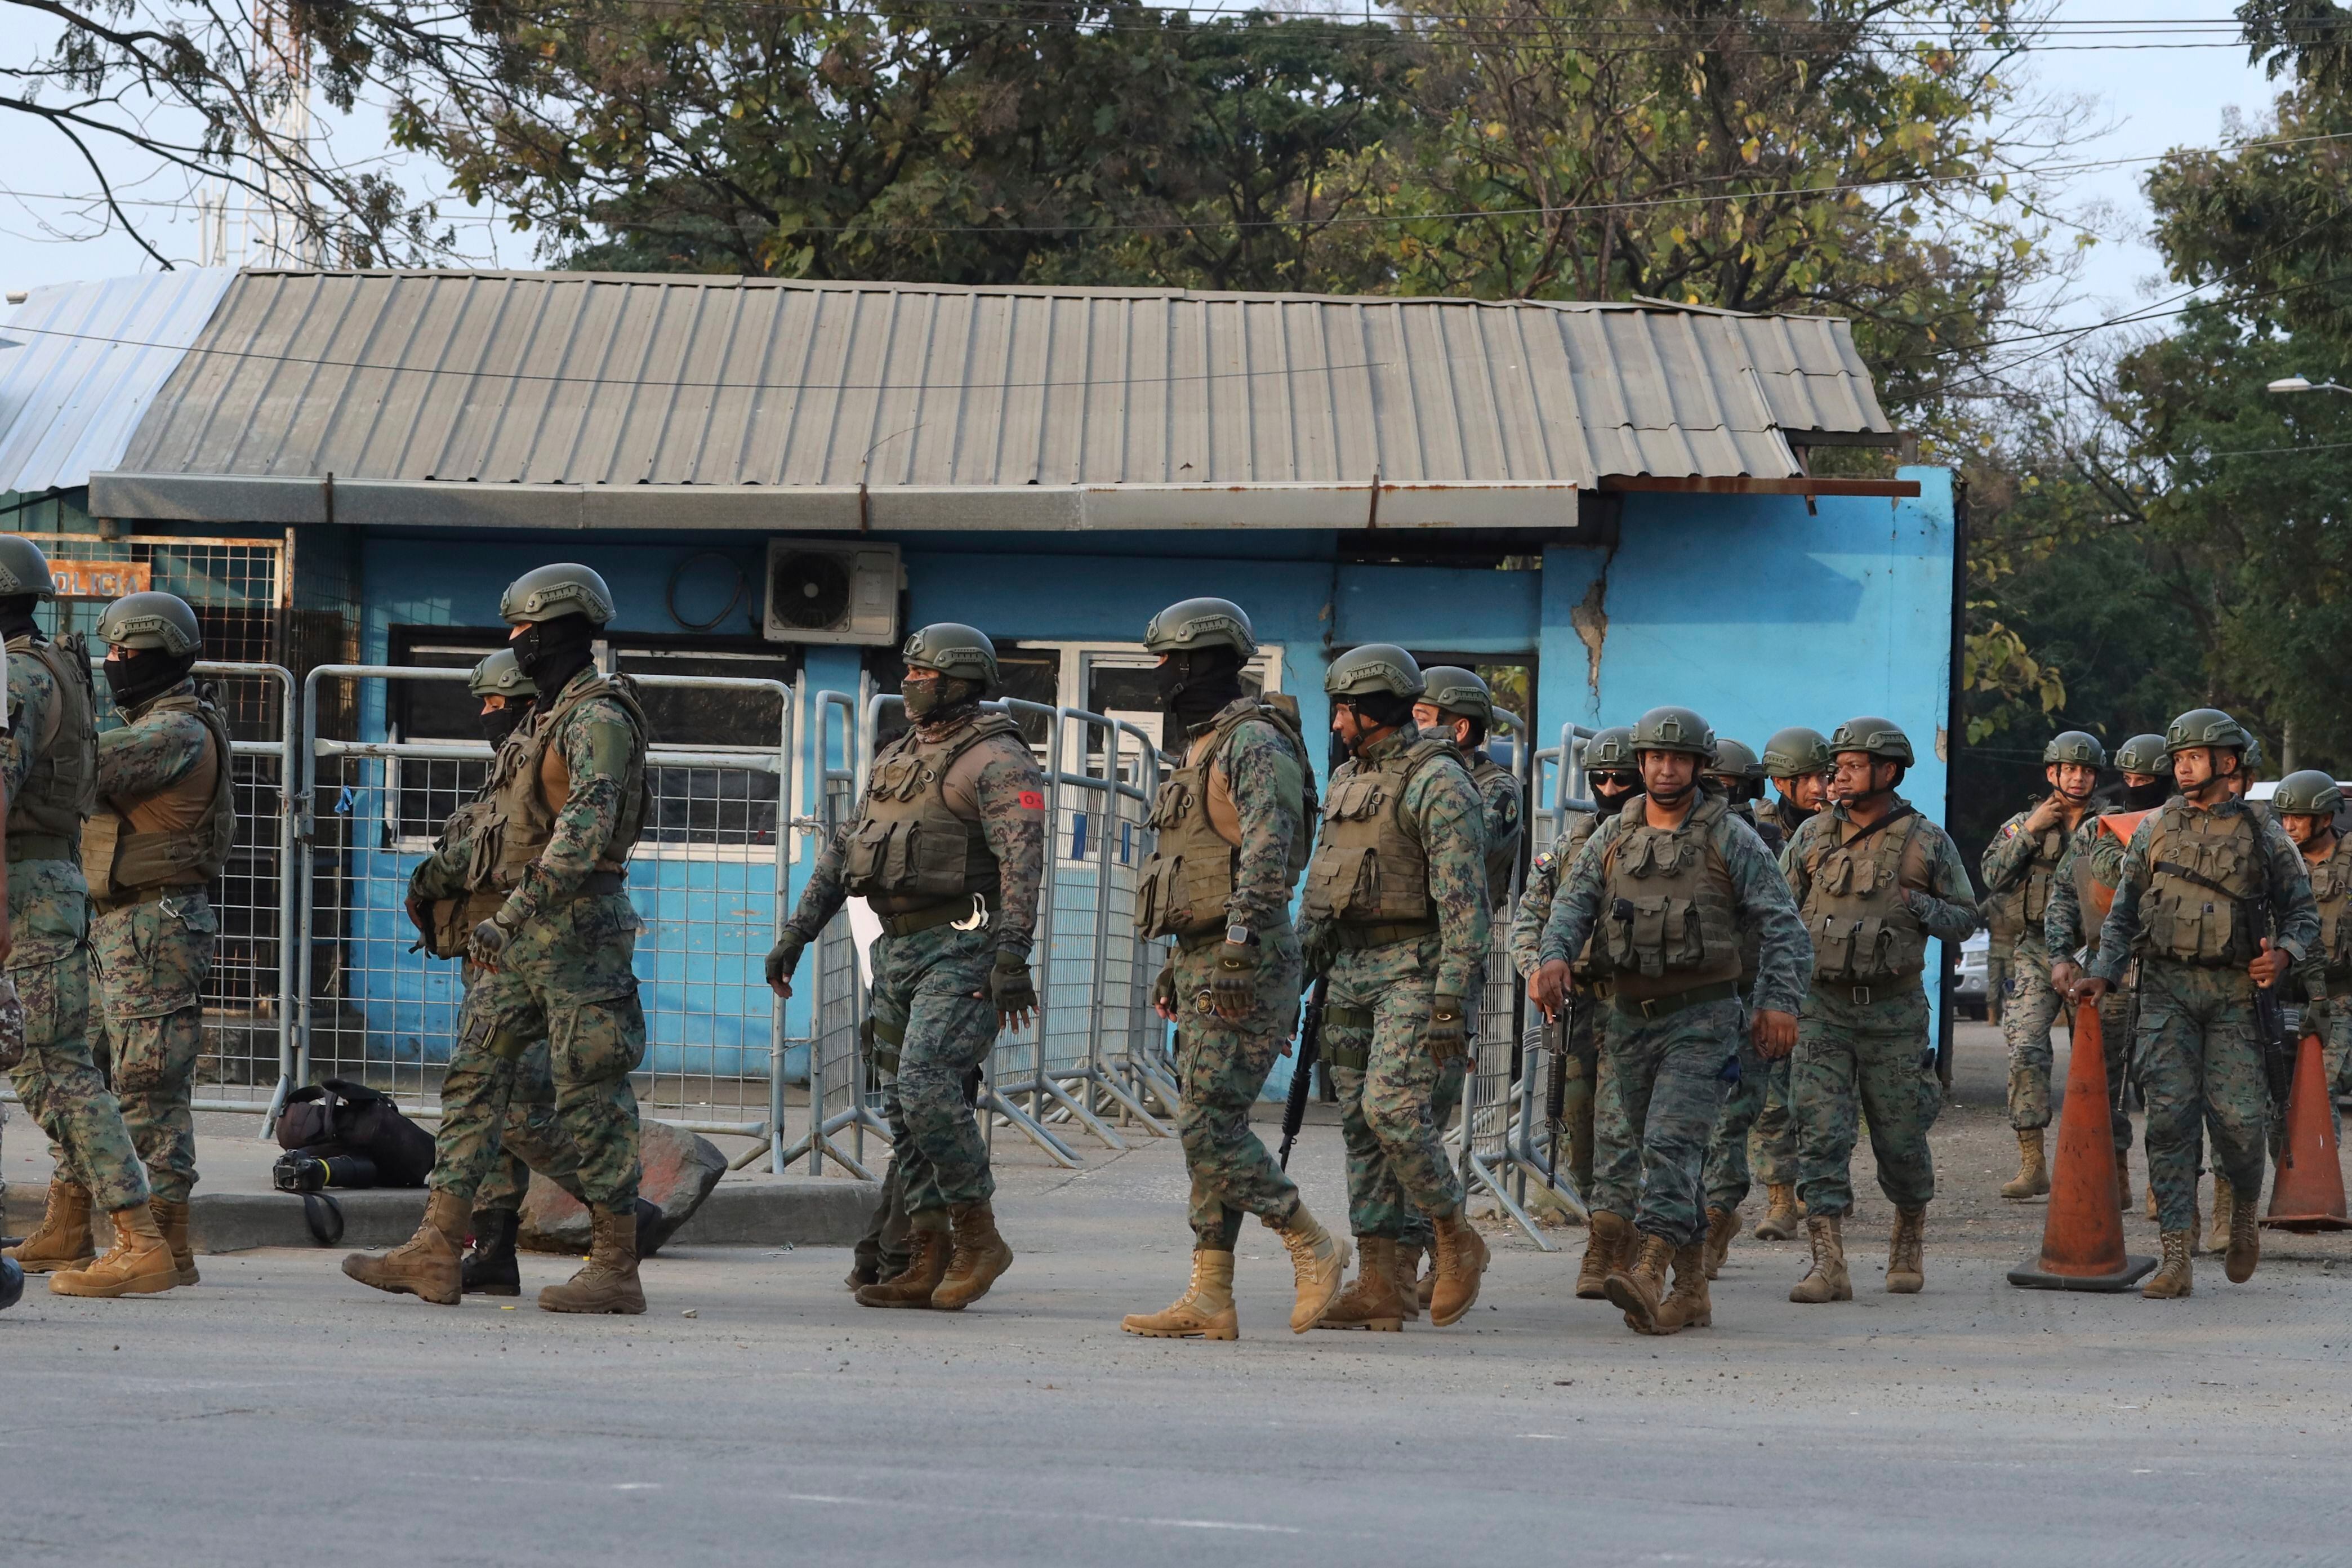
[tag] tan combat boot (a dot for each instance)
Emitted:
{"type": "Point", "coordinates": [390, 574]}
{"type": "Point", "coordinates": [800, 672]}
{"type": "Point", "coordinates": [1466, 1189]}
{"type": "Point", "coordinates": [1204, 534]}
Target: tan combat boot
{"type": "Point", "coordinates": [1722, 1225]}
{"type": "Point", "coordinates": [1318, 1264]}
{"type": "Point", "coordinates": [139, 1264]}
{"type": "Point", "coordinates": [2151, 1197]}
{"type": "Point", "coordinates": [979, 1258]}
{"type": "Point", "coordinates": [1206, 1310]}
{"type": "Point", "coordinates": [2033, 1179]}
{"type": "Point", "coordinates": [2175, 1277]}
{"type": "Point", "coordinates": [927, 1264]}
{"type": "Point", "coordinates": [609, 1281]}
{"type": "Point", "coordinates": [172, 1220]}
{"type": "Point", "coordinates": [1827, 1279]}
{"type": "Point", "coordinates": [1460, 1262]}
{"type": "Point", "coordinates": [1781, 1218]}
{"type": "Point", "coordinates": [1607, 1243]}
{"type": "Point", "coordinates": [430, 1265]}
{"type": "Point", "coordinates": [2123, 1184]}
{"type": "Point", "coordinates": [1372, 1299]}
{"type": "Point", "coordinates": [1413, 1287]}
{"type": "Point", "coordinates": [1688, 1306]}
{"type": "Point", "coordinates": [1904, 1272]}
{"type": "Point", "coordinates": [62, 1238]}
{"type": "Point", "coordinates": [2225, 1203]}
{"type": "Point", "coordinates": [2246, 1244]}
{"type": "Point", "coordinates": [1639, 1289]}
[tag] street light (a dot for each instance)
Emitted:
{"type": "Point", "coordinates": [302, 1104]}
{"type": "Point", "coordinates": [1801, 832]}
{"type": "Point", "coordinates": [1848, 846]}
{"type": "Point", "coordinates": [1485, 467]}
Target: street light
{"type": "Point", "coordinates": [2302, 384]}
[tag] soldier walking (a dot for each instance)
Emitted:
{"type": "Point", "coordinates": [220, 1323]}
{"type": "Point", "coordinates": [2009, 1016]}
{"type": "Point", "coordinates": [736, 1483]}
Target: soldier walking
{"type": "Point", "coordinates": [1234, 826]}
{"type": "Point", "coordinates": [1396, 913]}
{"type": "Point", "coordinates": [2191, 904]}
{"type": "Point", "coordinates": [1738, 774]}
{"type": "Point", "coordinates": [2306, 805]}
{"type": "Point", "coordinates": [949, 848]}
{"type": "Point", "coordinates": [49, 768]}
{"type": "Point", "coordinates": [1797, 761]}
{"type": "Point", "coordinates": [1874, 881]}
{"type": "Point", "coordinates": [1666, 888]}
{"type": "Point", "coordinates": [554, 959]}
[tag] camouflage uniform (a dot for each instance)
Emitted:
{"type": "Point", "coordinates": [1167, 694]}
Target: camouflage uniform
{"type": "Point", "coordinates": [2324, 978]}
{"type": "Point", "coordinates": [1725, 1179]}
{"type": "Point", "coordinates": [1583, 1050]}
{"type": "Point", "coordinates": [1863, 1046]}
{"type": "Point", "coordinates": [49, 922]}
{"type": "Point", "coordinates": [2024, 866]}
{"type": "Point", "coordinates": [153, 947]}
{"type": "Point", "coordinates": [933, 1019]}
{"type": "Point", "coordinates": [1772, 1142]}
{"type": "Point", "coordinates": [1664, 1074]}
{"type": "Point", "coordinates": [2201, 1063]}
{"type": "Point", "coordinates": [2095, 857]}
{"type": "Point", "coordinates": [1381, 990]}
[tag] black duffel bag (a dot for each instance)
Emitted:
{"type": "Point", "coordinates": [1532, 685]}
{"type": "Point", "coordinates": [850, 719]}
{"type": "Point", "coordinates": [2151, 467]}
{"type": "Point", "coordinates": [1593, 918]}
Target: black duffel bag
{"type": "Point", "coordinates": [342, 1119]}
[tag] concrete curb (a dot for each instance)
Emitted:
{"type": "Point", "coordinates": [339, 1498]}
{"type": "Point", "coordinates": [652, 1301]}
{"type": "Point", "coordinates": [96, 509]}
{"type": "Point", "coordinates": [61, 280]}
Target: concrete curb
{"type": "Point", "coordinates": [803, 1211]}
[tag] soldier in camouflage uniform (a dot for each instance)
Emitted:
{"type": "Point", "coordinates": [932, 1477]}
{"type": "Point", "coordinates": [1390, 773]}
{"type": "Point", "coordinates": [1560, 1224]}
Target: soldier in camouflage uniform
{"type": "Point", "coordinates": [553, 961]}
{"type": "Point", "coordinates": [1455, 702]}
{"type": "Point", "coordinates": [1233, 827]}
{"type": "Point", "coordinates": [949, 848]}
{"type": "Point", "coordinates": [2306, 805]}
{"type": "Point", "coordinates": [1667, 888]}
{"type": "Point", "coordinates": [163, 828]}
{"type": "Point", "coordinates": [1738, 774]}
{"type": "Point", "coordinates": [2186, 905]}
{"type": "Point", "coordinates": [2022, 860]}
{"type": "Point", "coordinates": [1397, 914]}
{"type": "Point", "coordinates": [2079, 894]}
{"type": "Point", "coordinates": [1797, 761]}
{"type": "Point", "coordinates": [50, 770]}
{"type": "Point", "coordinates": [1876, 879]}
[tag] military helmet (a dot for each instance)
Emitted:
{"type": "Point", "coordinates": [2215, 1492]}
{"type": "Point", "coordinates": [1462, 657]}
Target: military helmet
{"type": "Point", "coordinates": [1201, 623]}
{"type": "Point", "coordinates": [2075, 746]}
{"type": "Point", "coordinates": [1374, 667]}
{"type": "Point", "coordinates": [1673, 730]}
{"type": "Point", "coordinates": [2307, 793]}
{"type": "Point", "coordinates": [546, 592]}
{"type": "Point", "coordinates": [1610, 751]}
{"type": "Point", "coordinates": [2144, 755]}
{"type": "Point", "coordinates": [150, 620]}
{"type": "Point", "coordinates": [2203, 727]}
{"type": "Point", "coordinates": [954, 649]}
{"type": "Point", "coordinates": [1878, 737]}
{"type": "Point", "coordinates": [24, 569]}
{"type": "Point", "coordinates": [1734, 758]}
{"type": "Point", "coordinates": [2249, 760]}
{"type": "Point", "coordinates": [1796, 753]}
{"type": "Point", "coordinates": [1458, 692]}
{"type": "Point", "coordinates": [500, 675]}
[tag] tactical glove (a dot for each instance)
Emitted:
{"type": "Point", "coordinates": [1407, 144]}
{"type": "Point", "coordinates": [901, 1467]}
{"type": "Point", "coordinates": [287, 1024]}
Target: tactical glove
{"type": "Point", "coordinates": [489, 941]}
{"type": "Point", "coordinates": [1163, 989]}
{"type": "Point", "coordinates": [1013, 992]}
{"type": "Point", "coordinates": [1233, 987]}
{"type": "Point", "coordinates": [1447, 1034]}
{"type": "Point", "coordinates": [782, 959]}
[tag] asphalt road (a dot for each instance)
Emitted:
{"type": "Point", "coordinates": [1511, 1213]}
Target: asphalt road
{"type": "Point", "coordinates": [278, 1413]}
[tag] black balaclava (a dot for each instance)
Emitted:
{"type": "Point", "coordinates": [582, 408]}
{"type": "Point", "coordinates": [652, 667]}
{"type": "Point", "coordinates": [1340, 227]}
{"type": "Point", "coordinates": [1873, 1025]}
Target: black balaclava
{"type": "Point", "coordinates": [16, 616]}
{"type": "Point", "coordinates": [552, 652]}
{"type": "Point", "coordinates": [2147, 797]}
{"type": "Point", "coordinates": [1196, 684]}
{"type": "Point", "coordinates": [1382, 709]}
{"type": "Point", "coordinates": [501, 722]}
{"type": "Point", "coordinates": [1609, 800]}
{"type": "Point", "coordinates": [944, 701]}
{"type": "Point", "coordinates": [147, 674]}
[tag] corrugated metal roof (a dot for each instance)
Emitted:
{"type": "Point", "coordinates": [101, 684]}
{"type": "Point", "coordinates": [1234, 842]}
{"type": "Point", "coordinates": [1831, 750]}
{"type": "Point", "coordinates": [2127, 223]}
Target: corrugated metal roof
{"type": "Point", "coordinates": [93, 356]}
{"type": "Point", "coordinates": [592, 382]}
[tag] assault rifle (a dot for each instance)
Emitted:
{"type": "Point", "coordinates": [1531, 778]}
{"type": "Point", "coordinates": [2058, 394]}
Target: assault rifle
{"type": "Point", "coordinates": [1302, 1071]}
{"type": "Point", "coordinates": [2269, 1016]}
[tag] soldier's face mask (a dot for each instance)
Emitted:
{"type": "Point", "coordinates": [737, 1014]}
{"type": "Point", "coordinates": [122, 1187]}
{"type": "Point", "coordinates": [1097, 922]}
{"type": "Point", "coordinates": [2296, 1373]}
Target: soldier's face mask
{"type": "Point", "coordinates": [1613, 788]}
{"type": "Point", "coordinates": [929, 693]}
{"type": "Point", "coordinates": [133, 675]}
{"type": "Point", "coordinates": [17, 615]}
{"type": "Point", "coordinates": [500, 718]}
{"type": "Point", "coordinates": [2146, 797]}
{"type": "Point", "coordinates": [1193, 684]}
{"type": "Point", "coordinates": [552, 652]}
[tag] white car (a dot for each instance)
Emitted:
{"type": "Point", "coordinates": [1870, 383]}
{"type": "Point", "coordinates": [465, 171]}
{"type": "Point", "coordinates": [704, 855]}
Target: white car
{"type": "Point", "coordinates": [1969, 983]}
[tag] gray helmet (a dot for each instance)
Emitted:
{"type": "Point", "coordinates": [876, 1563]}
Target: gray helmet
{"type": "Point", "coordinates": [1201, 623]}
{"type": "Point", "coordinates": [1374, 667]}
{"type": "Point", "coordinates": [1878, 737]}
{"type": "Point", "coordinates": [954, 649]}
{"type": "Point", "coordinates": [24, 569]}
{"type": "Point", "coordinates": [2144, 755]}
{"type": "Point", "coordinates": [545, 593]}
{"type": "Point", "coordinates": [1796, 753]}
{"type": "Point", "coordinates": [1458, 692]}
{"type": "Point", "coordinates": [1610, 751]}
{"type": "Point", "coordinates": [2203, 727]}
{"type": "Point", "coordinates": [500, 675]}
{"type": "Point", "coordinates": [1734, 758]}
{"type": "Point", "coordinates": [1673, 730]}
{"type": "Point", "coordinates": [2307, 793]}
{"type": "Point", "coordinates": [2075, 746]}
{"type": "Point", "coordinates": [150, 620]}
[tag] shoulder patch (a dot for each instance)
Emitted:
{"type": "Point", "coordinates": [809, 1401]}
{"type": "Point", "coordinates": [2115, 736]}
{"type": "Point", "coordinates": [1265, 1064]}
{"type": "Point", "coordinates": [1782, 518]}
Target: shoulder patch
{"type": "Point", "coordinates": [609, 742]}
{"type": "Point", "coordinates": [2010, 828]}
{"type": "Point", "coordinates": [1547, 861]}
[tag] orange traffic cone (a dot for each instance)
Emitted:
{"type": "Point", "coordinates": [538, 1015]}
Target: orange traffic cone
{"type": "Point", "coordinates": [2307, 1193]}
{"type": "Point", "coordinates": [2082, 1234]}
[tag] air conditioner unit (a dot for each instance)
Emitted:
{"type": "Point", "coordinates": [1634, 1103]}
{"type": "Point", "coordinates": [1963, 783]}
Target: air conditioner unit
{"type": "Point", "coordinates": [824, 592]}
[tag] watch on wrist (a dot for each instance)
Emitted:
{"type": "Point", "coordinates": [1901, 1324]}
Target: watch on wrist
{"type": "Point", "coordinates": [1240, 935]}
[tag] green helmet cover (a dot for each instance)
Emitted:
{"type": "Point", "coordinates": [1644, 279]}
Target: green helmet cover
{"type": "Point", "coordinates": [1201, 623]}
{"type": "Point", "coordinates": [1610, 751]}
{"type": "Point", "coordinates": [954, 649]}
{"type": "Point", "coordinates": [565, 588]}
{"type": "Point", "coordinates": [1373, 666]}
{"type": "Point", "coordinates": [150, 620]}
{"type": "Point", "coordinates": [2203, 727]}
{"type": "Point", "coordinates": [1673, 730]}
{"type": "Point", "coordinates": [24, 569]}
{"type": "Point", "coordinates": [2309, 793]}
{"type": "Point", "coordinates": [1878, 737]}
{"type": "Point", "coordinates": [1454, 691]}
{"type": "Point", "coordinates": [1796, 751]}
{"type": "Point", "coordinates": [1734, 758]}
{"type": "Point", "coordinates": [2144, 755]}
{"type": "Point", "coordinates": [500, 675]}
{"type": "Point", "coordinates": [2075, 746]}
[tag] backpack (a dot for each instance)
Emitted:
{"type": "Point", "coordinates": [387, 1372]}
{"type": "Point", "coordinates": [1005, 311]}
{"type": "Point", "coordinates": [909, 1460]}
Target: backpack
{"type": "Point", "coordinates": [341, 1117]}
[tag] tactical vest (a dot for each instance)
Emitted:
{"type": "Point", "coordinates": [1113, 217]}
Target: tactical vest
{"type": "Point", "coordinates": [2331, 889]}
{"type": "Point", "coordinates": [450, 922]}
{"type": "Point", "coordinates": [1668, 922]}
{"type": "Point", "coordinates": [1369, 868]}
{"type": "Point", "coordinates": [2202, 866]}
{"type": "Point", "coordinates": [1854, 902]}
{"type": "Point", "coordinates": [525, 806]}
{"type": "Point", "coordinates": [911, 845]}
{"type": "Point", "coordinates": [1189, 879]}
{"type": "Point", "coordinates": [62, 792]}
{"type": "Point", "coordinates": [1589, 964]}
{"type": "Point", "coordinates": [2034, 895]}
{"type": "Point", "coordinates": [1502, 854]}
{"type": "Point", "coordinates": [180, 837]}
